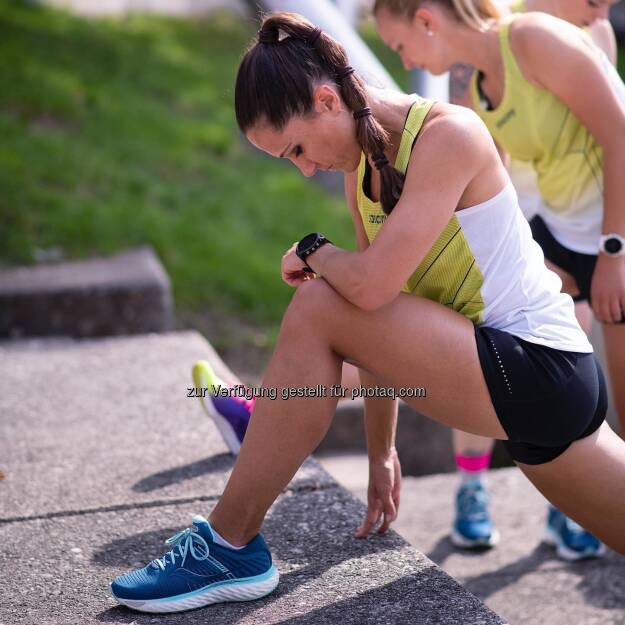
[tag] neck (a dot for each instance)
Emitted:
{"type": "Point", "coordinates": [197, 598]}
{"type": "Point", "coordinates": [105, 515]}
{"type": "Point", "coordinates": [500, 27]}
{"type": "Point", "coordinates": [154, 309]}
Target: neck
{"type": "Point", "coordinates": [478, 49]}
{"type": "Point", "coordinates": [389, 107]}
{"type": "Point", "coordinates": [545, 6]}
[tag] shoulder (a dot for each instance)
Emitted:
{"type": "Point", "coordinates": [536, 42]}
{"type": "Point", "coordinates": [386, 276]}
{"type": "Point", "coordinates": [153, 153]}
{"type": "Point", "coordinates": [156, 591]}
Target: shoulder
{"type": "Point", "coordinates": [542, 43]}
{"type": "Point", "coordinates": [451, 127]}
{"type": "Point", "coordinates": [454, 143]}
{"type": "Point", "coordinates": [529, 32]}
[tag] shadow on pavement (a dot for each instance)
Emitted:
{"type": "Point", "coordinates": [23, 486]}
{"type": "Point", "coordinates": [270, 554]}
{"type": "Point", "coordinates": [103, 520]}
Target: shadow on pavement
{"type": "Point", "coordinates": [220, 463]}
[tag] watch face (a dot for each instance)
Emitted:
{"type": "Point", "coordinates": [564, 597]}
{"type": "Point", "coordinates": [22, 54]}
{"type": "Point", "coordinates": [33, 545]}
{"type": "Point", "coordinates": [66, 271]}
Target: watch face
{"type": "Point", "coordinates": [307, 242]}
{"type": "Point", "coordinates": [612, 246]}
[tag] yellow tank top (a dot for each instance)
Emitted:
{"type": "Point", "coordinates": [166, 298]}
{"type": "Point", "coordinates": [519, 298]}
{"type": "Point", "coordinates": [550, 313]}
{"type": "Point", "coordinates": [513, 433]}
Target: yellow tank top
{"type": "Point", "coordinates": [484, 264]}
{"type": "Point", "coordinates": [533, 125]}
{"type": "Point", "coordinates": [448, 274]}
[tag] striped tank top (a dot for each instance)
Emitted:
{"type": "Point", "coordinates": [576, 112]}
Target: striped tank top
{"type": "Point", "coordinates": [484, 264]}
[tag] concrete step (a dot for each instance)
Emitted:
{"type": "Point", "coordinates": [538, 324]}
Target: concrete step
{"type": "Point", "coordinates": [105, 456]}
{"type": "Point", "coordinates": [522, 579]}
{"type": "Point", "coordinates": [424, 445]}
{"type": "Point", "coordinates": [128, 293]}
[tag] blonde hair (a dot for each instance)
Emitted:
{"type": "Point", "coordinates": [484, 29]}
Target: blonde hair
{"type": "Point", "coordinates": [476, 14]}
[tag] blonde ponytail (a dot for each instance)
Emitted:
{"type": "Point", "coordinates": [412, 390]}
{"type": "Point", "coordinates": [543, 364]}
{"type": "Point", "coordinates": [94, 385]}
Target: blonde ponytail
{"type": "Point", "coordinates": [475, 14]}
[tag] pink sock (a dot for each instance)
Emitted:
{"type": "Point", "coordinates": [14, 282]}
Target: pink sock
{"type": "Point", "coordinates": [472, 467]}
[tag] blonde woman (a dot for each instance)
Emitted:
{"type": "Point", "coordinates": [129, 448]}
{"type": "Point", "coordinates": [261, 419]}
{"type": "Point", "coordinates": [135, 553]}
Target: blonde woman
{"type": "Point", "coordinates": [473, 526]}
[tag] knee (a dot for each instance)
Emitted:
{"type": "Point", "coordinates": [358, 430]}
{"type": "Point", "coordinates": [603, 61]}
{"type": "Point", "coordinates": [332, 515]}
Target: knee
{"type": "Point", "coordinates": [313, 299]}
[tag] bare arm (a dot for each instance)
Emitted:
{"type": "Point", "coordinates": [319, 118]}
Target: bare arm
{"type": "Point", "coordinates": [380, 412]}
{"type": "Point", "coordinates": [374, 277]}
{"type": "Point", "coordinates": [383, 492]}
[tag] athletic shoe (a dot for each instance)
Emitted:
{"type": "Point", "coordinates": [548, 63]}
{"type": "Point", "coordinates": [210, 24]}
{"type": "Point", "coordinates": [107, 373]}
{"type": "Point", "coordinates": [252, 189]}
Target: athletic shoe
{"type": "Point", "coordinates": [231, 414]}
{"type": "Point", "coordinates": [198, 572]}
{"type": "Point", "coordinates": [473, 527]}
{"type": "Point", "coordinates": [571, 540]}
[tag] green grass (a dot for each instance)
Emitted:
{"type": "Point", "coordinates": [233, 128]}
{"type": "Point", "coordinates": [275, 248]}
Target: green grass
{"type": "Point", "coordinates": [117, 133]}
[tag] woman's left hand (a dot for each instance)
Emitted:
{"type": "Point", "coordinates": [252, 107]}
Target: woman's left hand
{"type": "Point", "coordinates": [382, 495]}
{"type": "Point", "coordinates": [292, 268]}
{"type": "Point", "coordinates": [608, 288]}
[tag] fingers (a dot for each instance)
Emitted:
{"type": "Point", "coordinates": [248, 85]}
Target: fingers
{"type": "Point", "coordinates": [608, 309]}
{"type": "Point", "coordinates": [390, 514]}
{"type": "Point", "coordinates": [374, 512]}
{"type": "Point", "coordinates": [615, 309]}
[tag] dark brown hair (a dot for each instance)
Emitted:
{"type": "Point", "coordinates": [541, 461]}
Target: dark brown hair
{"type": "Point", "coordinates": [276, 80]}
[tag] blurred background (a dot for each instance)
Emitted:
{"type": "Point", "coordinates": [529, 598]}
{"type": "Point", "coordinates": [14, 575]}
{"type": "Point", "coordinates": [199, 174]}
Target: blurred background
{"type": "Point", "coordinates": [117, 127]}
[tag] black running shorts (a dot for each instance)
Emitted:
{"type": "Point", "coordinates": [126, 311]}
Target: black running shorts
{"type": "Point", "coordinates": [545, 398]}
{"type": "Point", "coordinates": [580, 266]}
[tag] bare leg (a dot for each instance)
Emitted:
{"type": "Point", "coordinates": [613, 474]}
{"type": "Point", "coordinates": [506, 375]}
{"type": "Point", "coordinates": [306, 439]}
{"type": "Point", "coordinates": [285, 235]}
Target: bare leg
{"type": "Point", "coordinates": [410, 342]}
{"type": "Point", "coordinates": [471, 445]}
{"type": "Point", "coordinates": [614, 340]}
{"type": "Point", "coordinates": [587, 482]}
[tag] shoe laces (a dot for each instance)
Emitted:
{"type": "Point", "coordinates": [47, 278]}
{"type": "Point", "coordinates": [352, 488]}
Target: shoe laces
{"type": "Point", "coordinates": [184, 543]}
{"type": "Point", "coordinates": [472, 503]}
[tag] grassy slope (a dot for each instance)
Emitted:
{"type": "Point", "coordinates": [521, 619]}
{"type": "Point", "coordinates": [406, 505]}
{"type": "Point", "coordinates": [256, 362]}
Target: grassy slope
{"type": "Point", "coordinates": [118, 133]}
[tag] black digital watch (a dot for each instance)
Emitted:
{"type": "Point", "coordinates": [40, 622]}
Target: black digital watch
{"type": "Point", "coordinates": [308, 245]}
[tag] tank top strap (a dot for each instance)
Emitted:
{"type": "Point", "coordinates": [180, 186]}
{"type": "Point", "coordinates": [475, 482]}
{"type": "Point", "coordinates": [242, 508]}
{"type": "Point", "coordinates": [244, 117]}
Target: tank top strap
{"type": "Point", "coordinates": [414, 122]}
{"type": "Point", "coordinates": [511, 67]}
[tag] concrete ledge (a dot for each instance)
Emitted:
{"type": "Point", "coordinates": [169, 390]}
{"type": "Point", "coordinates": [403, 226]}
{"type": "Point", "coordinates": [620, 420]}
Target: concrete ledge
{"type": "Point", "coordinates": [105, 456]}
{"type": "Point", "coordinates": [128, 293]}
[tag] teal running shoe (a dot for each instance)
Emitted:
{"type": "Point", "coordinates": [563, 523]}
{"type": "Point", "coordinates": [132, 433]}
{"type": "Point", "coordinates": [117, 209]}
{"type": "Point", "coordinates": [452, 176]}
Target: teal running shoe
{"type": "Point", "coordinates": [473, 527]}
{"type": "Point", "coordinates": [198, 572]}
{"type": "Point", "coordinates": [572, 541]}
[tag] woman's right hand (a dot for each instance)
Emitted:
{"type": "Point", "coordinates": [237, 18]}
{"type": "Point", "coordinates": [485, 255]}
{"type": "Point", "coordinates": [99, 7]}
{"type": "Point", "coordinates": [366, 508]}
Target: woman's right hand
{"type": "Point", "coordinates": [382, 495]}
{"type": "Point", "coordinates": [292, 268]}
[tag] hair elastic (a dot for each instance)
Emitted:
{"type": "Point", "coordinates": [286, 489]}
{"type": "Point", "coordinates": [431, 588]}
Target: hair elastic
{"type": "Point", "coordinates": [267, 36]}
{"type": "Point", "coordinates": [314, 36]}
{"type": "Point", "coordinates": [363, 112]}
{"type": "Point", "coordinates": [380, 161]}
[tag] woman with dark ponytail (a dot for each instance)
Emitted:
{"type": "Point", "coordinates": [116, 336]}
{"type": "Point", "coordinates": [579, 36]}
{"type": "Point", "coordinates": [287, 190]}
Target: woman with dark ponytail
{"type": "Point", "coordinates": [447, 295]}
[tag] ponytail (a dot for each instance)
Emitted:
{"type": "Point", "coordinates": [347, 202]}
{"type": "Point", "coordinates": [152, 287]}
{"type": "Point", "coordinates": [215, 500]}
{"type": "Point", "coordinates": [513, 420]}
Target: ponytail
{"type": "Point", "coordinates": [276, 80]}
{"type": "Point", "coordinates": [475, 14]}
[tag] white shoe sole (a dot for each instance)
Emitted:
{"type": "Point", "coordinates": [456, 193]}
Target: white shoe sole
{"type": "Point", "coordinates": [460, 541]}
{"type": "Point", "coordinates": [225, 429]}
{"type": "Point", "coordinates": [235, 590]}
{"type": "Point", "coordinates": [564, 552]}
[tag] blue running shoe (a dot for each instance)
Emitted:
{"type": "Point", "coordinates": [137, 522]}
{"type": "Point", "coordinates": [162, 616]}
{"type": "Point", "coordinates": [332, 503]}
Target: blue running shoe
{"type": "Point", "coordinates": [198, 572]}
{"type": "Point", "coordinates": [473, 528]}
{"type": "Point", "coordinates": [572, 541]}
{"type": "Point", "coordinates": [231, 414]}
